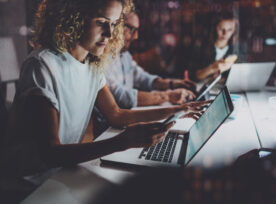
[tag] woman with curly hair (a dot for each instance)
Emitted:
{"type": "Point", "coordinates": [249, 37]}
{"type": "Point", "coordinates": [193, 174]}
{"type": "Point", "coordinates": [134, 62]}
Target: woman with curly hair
{"type": "Point", "coordinates": [62, 80]}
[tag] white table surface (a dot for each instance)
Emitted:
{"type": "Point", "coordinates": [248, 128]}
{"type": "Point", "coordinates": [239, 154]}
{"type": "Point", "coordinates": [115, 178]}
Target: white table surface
{"type": "Point", "coordinates": [264, 116]}
{"type": "Point", "coordinates": [235, 137]}
{"type": "Point", "coordinates": [78, 185]}
{"type": "Point", "coordinates": [82, 184]}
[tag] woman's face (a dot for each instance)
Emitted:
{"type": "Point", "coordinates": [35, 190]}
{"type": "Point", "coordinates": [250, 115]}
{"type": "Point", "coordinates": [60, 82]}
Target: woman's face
{"type": "Point", "coordinates": [101, 27]}
{"type": "Point", "coordinates": [225, 30]}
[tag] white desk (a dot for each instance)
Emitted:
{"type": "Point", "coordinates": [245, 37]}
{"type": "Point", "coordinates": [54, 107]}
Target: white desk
{"type": "Point", "coordinates": [233, 138]}
{"type": "Point", "coordinates": [78, 185]}
{"type": "Point", "coordinates": [264, 116]}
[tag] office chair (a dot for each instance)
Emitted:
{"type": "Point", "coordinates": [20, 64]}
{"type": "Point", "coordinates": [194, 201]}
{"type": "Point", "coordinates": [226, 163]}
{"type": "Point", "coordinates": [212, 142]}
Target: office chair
{"type": "Point", "coordinates": [3, 115]}
{"type": "Point", "coordinates": [4, 106]}
{"type": "Point", "coordinates": [12, 189]}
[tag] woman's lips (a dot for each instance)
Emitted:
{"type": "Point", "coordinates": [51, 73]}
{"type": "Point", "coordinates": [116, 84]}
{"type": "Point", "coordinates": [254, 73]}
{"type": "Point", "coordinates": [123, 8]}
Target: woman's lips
{"type": "Point", "coordinates": [101, 44]}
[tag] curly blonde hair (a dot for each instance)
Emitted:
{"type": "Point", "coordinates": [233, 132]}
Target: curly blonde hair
{"type": "Point", "coordinates": [60, 25]}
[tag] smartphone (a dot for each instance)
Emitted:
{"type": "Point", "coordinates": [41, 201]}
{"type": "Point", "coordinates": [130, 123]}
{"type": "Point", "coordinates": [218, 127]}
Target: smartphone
{"type": "Point", "coordinates": [264, 152]}
{"type": "Point", "coordinates": [174, 117]}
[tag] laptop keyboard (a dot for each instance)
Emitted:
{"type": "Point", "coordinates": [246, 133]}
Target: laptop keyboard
{"type": "Point", "coordinates": [162, 151]}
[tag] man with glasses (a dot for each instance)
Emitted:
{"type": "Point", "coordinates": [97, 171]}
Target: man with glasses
{"type": "Point", "coordinates": [132, 86]}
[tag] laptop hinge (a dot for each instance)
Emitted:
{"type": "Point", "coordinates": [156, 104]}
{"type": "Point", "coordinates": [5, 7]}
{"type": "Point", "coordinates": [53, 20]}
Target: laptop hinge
{"type": "Point", "coordinates": [183, 150]}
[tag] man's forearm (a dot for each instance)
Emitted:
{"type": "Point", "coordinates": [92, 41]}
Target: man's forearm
{"type": "Point", "coordinates": [161, 84]}
{"type": "Point", "coordinates": [152, 98]}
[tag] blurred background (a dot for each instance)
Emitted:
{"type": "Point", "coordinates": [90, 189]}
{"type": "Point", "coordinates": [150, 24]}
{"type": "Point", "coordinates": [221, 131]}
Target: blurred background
{"type": "Point", "coordinates": [169, 30]}
{"type": "Point", "coordinates": [175, 27]}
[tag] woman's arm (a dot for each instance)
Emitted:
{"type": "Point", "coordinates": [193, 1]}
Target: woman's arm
{"type": "Point", "coordinates": [122, 117]}
{"type": "Point", "coordinates": [43, 122]}
{"type": "Point", "coordinates": [217, 67]}
{"type": "Point", "coordinates": [202, 74]}
{"type": "Point", "coordinates": [176, 96]}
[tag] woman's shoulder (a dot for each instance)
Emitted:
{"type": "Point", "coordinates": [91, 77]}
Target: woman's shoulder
{"type": "Point", "coordinates": [39, 55]}
{"type": "Point", "coordinates": [45, 54]}
{"type": "Point", "coordinates": [37, 63]}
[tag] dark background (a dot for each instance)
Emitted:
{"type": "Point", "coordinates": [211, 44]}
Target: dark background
{"type": "Point", "coordinates": [172, 26]}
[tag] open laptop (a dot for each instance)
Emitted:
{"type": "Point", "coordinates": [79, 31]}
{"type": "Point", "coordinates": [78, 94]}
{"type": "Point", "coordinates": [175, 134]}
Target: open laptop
{"type": "Point", "coordinates": [249, 76]}
{"type": "Point", "coordinates": [178, 148]}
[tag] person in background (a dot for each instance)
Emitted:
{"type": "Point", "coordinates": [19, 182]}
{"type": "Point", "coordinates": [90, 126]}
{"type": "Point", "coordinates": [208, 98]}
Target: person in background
{"type": "Point", "coordinates": [131, 86]}
{"type": "Point", "coordinates": [210, 58]}
{"type": "Point", "coordinates": [62, 80]}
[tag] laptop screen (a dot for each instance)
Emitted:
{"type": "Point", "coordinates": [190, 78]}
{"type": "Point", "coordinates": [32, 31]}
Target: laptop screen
{"type": "Point", "coordinates": [207, 124]}
{"type": "Point", "coordinates": [249, 76]}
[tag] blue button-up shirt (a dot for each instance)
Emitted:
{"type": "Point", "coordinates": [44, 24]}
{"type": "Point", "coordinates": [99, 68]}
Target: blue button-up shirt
{"type": "Point", "coordinates": [125, 78]}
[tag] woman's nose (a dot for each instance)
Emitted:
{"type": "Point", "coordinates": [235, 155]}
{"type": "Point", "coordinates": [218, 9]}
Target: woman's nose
{"type": "Point", "coordinates": [108, 31]}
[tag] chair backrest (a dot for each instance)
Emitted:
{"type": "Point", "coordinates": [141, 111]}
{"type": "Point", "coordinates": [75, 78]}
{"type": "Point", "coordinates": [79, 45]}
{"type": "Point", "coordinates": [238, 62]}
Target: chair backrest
{"type": "Point", "coordinates": [3, 113]}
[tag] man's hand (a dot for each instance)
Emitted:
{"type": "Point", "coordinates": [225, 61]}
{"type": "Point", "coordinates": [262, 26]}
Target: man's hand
{"type": "Point", "coordinates": [181, 83]}
{"type": "Point", "coordinates": [165, 84]}
{"type": "Point", "coordinates": [180, 96]}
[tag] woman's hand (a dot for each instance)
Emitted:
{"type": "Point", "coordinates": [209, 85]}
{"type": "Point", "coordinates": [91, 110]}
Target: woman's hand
{"type": "Point", "coordinates": [195, 109]}
{"type": "Point", "coordinates": [144, 134]}
{"type": "Point", "coordinates": [225, 66]}
{"type": "Point", "coordinates": [214, 69]}
{"type": "Point", "coordinates": [220, 66]}
{"type": "Point", "coordinates": [180, 96]}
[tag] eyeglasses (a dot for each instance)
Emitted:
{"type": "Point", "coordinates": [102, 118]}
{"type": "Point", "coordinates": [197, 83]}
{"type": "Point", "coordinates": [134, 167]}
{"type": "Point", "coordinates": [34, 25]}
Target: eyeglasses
{"type": "Point", "coordinates": [131, 28]}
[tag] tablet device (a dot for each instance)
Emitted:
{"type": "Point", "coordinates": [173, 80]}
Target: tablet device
{"type": "Point", "coordinates": [207, 87]}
